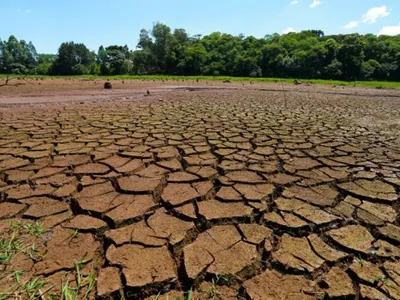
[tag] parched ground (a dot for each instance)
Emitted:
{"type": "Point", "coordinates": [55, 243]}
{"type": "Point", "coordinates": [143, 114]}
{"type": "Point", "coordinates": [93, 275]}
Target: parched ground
{"type": "Point", "coordinates": [201, 190]}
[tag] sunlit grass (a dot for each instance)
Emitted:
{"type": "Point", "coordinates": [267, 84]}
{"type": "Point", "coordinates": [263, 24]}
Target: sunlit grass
{"type": "Point", "coordinates": [371, 84]}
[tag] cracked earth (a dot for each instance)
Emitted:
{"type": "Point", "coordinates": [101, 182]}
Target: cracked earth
{"type": "Point", "coordinates": [226, 193]}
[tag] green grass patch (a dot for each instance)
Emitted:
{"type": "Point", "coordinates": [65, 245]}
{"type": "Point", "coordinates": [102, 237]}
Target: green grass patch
{"type": "Point", "coordinates": [16, 241]}
{"type": "Point", "coordinates": [73, 292]}
{"type": "Point", "coordinates": [370, 84]}
{"type": "Point", "coordinates": [20, 240]}
{"type": "Point", "coordinates": [8, 247]}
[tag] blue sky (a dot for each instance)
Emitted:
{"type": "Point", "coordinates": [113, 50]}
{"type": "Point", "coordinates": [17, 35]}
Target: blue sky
{"type": "Point", "coordinates": [48, 23]}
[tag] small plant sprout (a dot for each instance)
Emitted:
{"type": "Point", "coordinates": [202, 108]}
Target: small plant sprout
{"type": "Point", "coordinates": [34, 288]}
{"type": "Point", "coordinates": [91, 280]}
{"type": "Point", "coordinates": [9, 247]}
{"type": "Point", "coordinates": [213, 292]}
{"type": "Point", "coordinates": [36, 229]}
{"type": "Point", "coordinates": [20, 239]}
{"type": "Point", "coordinates": [190, 295]}
{"type": "Point", "coordinates": [30, 289]}
{"type": "Point", "coordinates": [382, 281]}
{"type": "Point", "coordinates": [360, 260]}
{"type": "Point", "coordinates": [33, 253]}
{"type": "Point", "coordinates": [75, 233]}
{"type": "Point", "coordinates": [17, 275]}
{"type": "Point", "coordinates": [69, 292]}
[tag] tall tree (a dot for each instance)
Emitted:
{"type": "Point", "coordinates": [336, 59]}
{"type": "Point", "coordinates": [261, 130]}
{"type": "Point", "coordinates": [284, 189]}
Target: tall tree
{"type": "Point", "coordinates": [160, 50]}
{"type": "Point", "coordinates": [17, 57]}
{"type": "Point", "coordinates": [73, 59]}
{"type": "Point", "coordinates": [351, 55]}
{"type": "Point", "coordinates": [116, 60]}
{"type": "Point", "coordinates": [161, 34]}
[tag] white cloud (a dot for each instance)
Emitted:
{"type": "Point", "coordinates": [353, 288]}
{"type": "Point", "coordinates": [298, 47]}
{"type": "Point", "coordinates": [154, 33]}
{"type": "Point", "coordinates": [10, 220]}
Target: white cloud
{"type": "Point", "coordinates": [352, 24]}
{"type": "Point", "coordinates": [370, 17]}
{"type": "Point", "coordinates": [315, 3]}
{"type": "Point", "coordinates": [375, 13]}
{"type": "Point", "coordinates": [28, 11]}
{"type": "Point", "coordinates": [288, 30]}
{"type": "Point", "coordinates": [294, 2]}
{"type": "Point", "coordinates": [390, 30]}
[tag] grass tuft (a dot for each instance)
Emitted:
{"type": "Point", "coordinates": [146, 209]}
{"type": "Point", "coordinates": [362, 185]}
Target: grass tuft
{"type": "Point", "coordinates": [36, 229]}
{"type": "Point", "coordinates": [69, 292]}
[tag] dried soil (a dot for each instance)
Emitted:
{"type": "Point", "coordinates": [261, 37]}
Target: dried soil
{"type": "Point", "coordinates": [237, 191]}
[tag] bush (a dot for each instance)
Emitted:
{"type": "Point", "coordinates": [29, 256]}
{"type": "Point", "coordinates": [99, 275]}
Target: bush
{"type": "Point", "coordinates": [94, 69]}
{"type": "Point", "coordinates": [17, 68]}
{"type": "Point", "coordinates": [43, 68]}
{"type": "Point", "coordinates": [80, 69]}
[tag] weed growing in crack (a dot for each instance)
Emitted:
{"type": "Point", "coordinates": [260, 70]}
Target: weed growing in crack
{"type": "Point", "coordinates": [36, 229]}
{"type": "Point", "coordinates": [213, 292]}
{"type": "Point", "coordinates": [382, 281]}
{"type": "Point", "coordinates": [190, 295]}
{"type": "Point", "coordinates": [8, 247]}
{"type": "Point", "coordinates": [29, 289]}
{"type": "Point", "coordinates": [360, 260]}
{"type": "Point", "coordinates": [75, 233]}
{"type": "Point", "coordinates": [69, 292]}
{"type": "Point", "coordinates": [33, 289]}
{"type": "Point", "coordinates": [19, 241]}
{"type": "Point", "coordinates": [33, 253]}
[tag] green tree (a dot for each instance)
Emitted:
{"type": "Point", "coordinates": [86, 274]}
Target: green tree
{"type": "Point", "coordinates": [334, 70]}
{"type": "Point", "coordinates": [161, 34]}
{"type": "Point", "coordinates": [17, 57]}
{"type": "Point", "coordinates": [46, 58]}
{"type": "Point", "coordinates": [369, 68]}
{"type": "Point", "coordinates": [115, 60]}
{"type": "Point", "coordinates": [43, 68]}
{"type": "Point", "coordinates": [351, 55]}
{"type": "Point", "coordinates": [142, 62]}
{"type": "Point", "coordinates": [195, 56]}
{"type": "Point", "coordinates": [72, 59]}
{"type": "Point", "coordinates": [307, 54]}
{"type": "Point", "coordinates": [272, 56]}
{"type": "Point", "coordinates": [246, 65]}
{"type": "Point", "coordinates": [80, 69]}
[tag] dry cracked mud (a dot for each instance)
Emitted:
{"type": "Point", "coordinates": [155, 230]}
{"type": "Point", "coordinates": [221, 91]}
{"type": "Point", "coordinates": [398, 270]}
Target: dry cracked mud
{"type": "Point", "coordinates": [216, 193]}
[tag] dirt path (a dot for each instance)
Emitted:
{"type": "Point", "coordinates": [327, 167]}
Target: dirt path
{"type": "Point", "coordinates": [221, 192]}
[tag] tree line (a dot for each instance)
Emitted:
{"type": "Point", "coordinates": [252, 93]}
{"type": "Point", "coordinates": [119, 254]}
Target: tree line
{"type": "Point", "coordinates": [307, 54]}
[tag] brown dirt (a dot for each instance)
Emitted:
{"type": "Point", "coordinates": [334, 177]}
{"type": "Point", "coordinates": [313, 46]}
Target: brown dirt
{"type": "Point", "coordinates": [236, 191]}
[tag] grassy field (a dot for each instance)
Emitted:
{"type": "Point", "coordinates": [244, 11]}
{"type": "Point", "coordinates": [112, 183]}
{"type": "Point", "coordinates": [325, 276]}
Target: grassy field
{"type": "Point", "coordinates": [371, 84]}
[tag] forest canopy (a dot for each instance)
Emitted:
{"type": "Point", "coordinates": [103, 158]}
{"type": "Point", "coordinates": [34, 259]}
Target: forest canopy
{"type": "Point", "coordinates": [161, 50]}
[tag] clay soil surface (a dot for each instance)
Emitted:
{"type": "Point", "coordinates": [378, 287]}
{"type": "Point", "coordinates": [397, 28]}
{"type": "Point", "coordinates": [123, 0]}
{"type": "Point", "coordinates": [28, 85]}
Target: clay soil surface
{"type": "Point", "coordinates": [200, 189]}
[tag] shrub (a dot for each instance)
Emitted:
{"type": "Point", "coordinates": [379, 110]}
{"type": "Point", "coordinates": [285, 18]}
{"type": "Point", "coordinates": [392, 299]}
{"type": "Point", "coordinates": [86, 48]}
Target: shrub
{"type": "Point", "coordinates": [80, 69]}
